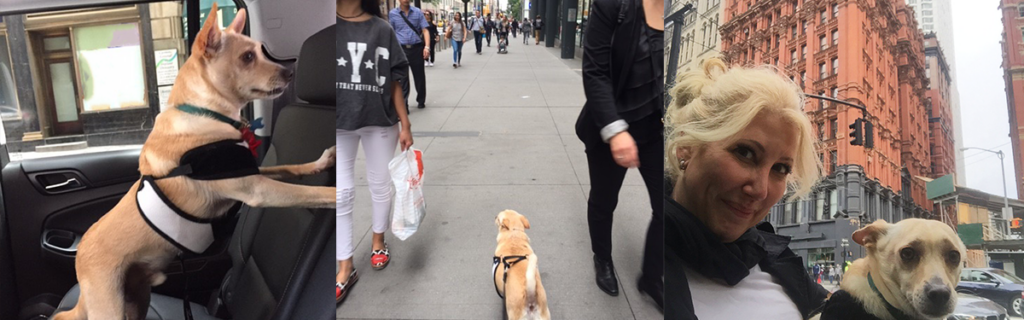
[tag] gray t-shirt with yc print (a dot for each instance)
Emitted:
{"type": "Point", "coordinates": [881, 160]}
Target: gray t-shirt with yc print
{"type": "Point", "coordinates": [370, 60]}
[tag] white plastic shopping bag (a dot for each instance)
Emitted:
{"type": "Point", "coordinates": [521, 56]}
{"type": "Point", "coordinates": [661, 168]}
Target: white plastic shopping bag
{"type": "Point", "coordinates": [407, 175]}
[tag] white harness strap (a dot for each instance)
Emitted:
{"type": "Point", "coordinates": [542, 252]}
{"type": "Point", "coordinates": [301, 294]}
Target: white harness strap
{"type": "Point", "coordinates": [185, 232]}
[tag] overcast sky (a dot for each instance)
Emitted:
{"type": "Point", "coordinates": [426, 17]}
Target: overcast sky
{"type": "Point", "coordinates": [977, 31]}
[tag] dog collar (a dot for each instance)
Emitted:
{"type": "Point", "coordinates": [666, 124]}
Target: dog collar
{"type": "Point", "coordinates": [247, 135]}
{"type": "Point", "coordinates": [185, 232]}
{"type": "Point", "coordinates": [896, 313]}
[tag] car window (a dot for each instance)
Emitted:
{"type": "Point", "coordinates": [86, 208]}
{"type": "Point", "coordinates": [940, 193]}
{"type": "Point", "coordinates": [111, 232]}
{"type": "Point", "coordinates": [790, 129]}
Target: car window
{"type": "Point", "coordinates": [90, 79]}
{"type": "Point", "coordinates": [965, 275]}
{"type": "Point", "coordinates": [1007, 277]}
{"type": "Point", "coordinates": [979, 276]}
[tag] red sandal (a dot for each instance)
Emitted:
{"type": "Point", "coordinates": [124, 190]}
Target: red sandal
{"type": "Point", "coordinates": [342, 289]}
{"type": "Point", "coordinates": [380, 258]}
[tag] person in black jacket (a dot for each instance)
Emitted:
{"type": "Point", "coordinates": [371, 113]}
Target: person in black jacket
{"type": "Point", "coordinates": [738, 142]}
{"type": "Point", "coordinates": [434, 38]}
{"type": "Point", "coordinates": [622, 131]}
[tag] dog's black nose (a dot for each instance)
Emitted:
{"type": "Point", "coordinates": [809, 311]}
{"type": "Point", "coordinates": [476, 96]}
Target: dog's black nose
{"type": "Point", "coordinates": [287, 74]}
{"type": "Point", "coordinates": [937, 294]}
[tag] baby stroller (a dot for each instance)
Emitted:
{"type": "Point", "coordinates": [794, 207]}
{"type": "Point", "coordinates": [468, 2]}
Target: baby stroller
{"type": "Point", "coordinates": [503, 43]}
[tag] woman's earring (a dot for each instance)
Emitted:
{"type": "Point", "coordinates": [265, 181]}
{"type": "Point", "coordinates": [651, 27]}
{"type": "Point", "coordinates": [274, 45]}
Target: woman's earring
{"type": "Point", "coordinates": [682, 164]}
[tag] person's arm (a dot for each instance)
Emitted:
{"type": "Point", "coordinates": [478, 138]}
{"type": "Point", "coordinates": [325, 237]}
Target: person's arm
{"type": "Point", "coordinates": [424, 27]}
{"type": "Point", "coordinates": [399, 71]}
{"type": "Point", "coordinates": [405, 135]}
{"type": "Point", "coordinates": [598, 86]}
{"type": "Point", "coordinates": [465, 32]}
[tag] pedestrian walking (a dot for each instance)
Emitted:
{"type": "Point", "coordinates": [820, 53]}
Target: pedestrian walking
{"type": "Point", "coordinates": [515, 26]}
{"type": "Point", "coordinates": [411, 27]}
{"type": "Point", "coordinates": [488, 29]}
{"type": "Point", "coordinates": [477, 25]}
{"type": "Point", "coordinates": [731, 160]}
{"type": "Point", "coordinates": [527, 29]}
{"type": "Point", "coordinates": [538, 26]}
{"type": "Point", "coordinates": [368, 113]}
{"type": "Point", "coordinates": [501, 30]}
{"type": "Point", "coordinates": [623, 130]}
{"type": "Point", "coordinates": [456, 33]}
{"type": "Point", "coordinates": [434, 36]}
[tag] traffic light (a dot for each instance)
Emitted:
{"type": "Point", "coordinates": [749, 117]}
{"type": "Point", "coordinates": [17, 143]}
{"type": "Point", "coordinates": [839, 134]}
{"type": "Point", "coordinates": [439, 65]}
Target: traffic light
{"type": "Point", "coordinates": [869, 135]}
{"type": "Point", "coordinates": [1015, 223]}
{"type": "Point", "coordinates": [857, 134]}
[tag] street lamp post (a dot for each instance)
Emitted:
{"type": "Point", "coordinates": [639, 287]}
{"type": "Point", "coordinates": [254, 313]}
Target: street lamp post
{"type": "Point", "coordinates": [1002, 166]}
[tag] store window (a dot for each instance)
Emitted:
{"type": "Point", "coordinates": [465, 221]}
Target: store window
{"type": "Point", "coordinates": [9, 108]}
{"type": "Point", "coordinates": [110, 54]}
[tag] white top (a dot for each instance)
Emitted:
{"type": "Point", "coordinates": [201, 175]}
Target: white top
{"type": "Point", "coordinates": [755, 297]}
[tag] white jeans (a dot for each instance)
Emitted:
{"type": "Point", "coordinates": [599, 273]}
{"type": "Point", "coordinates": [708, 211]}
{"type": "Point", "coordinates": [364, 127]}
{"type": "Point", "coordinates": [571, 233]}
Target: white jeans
{"type": "Point", "coordinates": [379, 146]}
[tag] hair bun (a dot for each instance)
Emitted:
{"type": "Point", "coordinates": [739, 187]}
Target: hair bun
{"type": "Point", "coordinates": [689, 84]}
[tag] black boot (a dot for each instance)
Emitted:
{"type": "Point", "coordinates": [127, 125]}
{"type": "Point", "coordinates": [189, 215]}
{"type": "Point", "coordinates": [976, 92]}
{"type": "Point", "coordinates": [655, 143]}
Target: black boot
{"type": "Point", "coordinates": [606, 276]}
{"type": "Point", "coordinates": [653, 288]}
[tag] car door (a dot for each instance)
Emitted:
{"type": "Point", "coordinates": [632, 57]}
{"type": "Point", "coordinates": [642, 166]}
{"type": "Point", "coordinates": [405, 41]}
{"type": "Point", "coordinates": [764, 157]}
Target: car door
{"type": "Point", "coordinates": [55, 185]}
{"type": "Point", "coordinates": [985, 284]}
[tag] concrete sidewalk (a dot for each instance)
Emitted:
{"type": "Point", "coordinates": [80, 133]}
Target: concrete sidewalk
{"type": "Point", "coordinates": [498, 134]}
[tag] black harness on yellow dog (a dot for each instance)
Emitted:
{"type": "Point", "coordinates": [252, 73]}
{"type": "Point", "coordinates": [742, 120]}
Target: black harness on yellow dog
{"type": "Point", "coordinates": [508, 261]}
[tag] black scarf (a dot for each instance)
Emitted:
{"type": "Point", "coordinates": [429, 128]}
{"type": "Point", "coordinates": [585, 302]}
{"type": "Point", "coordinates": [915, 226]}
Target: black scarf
{"type": "Point", "coordinates": [705, 253]}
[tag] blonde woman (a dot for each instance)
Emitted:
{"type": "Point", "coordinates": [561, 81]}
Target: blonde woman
{"type": "Point", "coordinates": [736, 141]}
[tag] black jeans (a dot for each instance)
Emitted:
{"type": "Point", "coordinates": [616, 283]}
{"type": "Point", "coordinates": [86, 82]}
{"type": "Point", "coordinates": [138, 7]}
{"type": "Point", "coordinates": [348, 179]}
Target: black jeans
{"type": "Point", "coordinates": [489, 32]}
{"type": "Point", "coordinates": [479, 43]}
{"type": "Point", "coordinates": [606, 180]}
{"type": "Point", "coordinates": [415, 55]}
{"type": "Point", "coordinates": [433, 46]}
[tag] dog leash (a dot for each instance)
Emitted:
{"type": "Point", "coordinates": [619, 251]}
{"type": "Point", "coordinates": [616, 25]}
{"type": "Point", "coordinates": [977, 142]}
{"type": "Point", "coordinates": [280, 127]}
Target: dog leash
{"type": "Point", "coordinates": [508, 264]}
{"type": "Point", "coordinates": [896, 313]}
{"type": "Point", "coordinates": [188, 307]}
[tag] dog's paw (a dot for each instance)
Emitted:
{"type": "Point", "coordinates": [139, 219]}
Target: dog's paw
{"type": "Point", "coordinates": [327, 160]}
{"type": "Point", "coordinates": [157, 279]}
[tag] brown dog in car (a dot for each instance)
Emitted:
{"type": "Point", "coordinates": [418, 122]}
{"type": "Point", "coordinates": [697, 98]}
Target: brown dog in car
{"type": "Point", "coordinates": [195, 166]}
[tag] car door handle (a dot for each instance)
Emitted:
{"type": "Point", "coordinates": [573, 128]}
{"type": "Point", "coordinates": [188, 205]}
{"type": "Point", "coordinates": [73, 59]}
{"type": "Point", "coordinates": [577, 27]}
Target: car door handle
{"type": "Point", "coordinates": [73, 182]}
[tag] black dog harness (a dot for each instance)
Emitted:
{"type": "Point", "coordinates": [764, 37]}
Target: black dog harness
{"type": "Point", "coordinates": [508, 261]}
{"type": "Point", "coordinates": [223, 159]}
{"type": "Point", "coordinates": [843, 306]}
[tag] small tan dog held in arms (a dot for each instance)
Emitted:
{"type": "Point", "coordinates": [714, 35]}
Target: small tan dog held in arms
{"type": "Point", "coordinates": [122, 255]}
{"type": "Point", "coordinates": [519, 283]}
{"type": "Point", "coordinates": [911, 271]}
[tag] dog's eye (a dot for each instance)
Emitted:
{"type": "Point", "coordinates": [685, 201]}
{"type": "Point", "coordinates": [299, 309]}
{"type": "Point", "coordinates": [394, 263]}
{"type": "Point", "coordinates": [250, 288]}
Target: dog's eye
{"type": "Point", "coordinates": [953, 257]}
{"type": "Point", "coordinates": [248, 57]}
{"type": "Point", "coordinates": [908, 254]}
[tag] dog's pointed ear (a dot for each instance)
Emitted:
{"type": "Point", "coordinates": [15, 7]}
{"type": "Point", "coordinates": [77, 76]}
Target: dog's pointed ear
{"type": "Point", "coordinates": [869, 235]}
{"type": "Point", "coordinates": [239, 23]}
{"type": "Point", "coordinates": [526, 223]}
{"type": "Point", "coordinates": [500, 222]}
{"type": "Point", "coordinates": [208, 39]}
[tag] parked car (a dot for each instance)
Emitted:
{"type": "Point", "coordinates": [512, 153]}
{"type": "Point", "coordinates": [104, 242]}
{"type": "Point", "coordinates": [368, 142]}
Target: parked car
{"type": "Point", "coordinates": [972, 307]}
{"type": "Point", "coordinates": [996, 285]}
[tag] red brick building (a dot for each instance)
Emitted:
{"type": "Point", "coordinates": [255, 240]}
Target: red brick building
{"type": "Point", "coordinates": [867, 52]}
{"type": "Point", "coordinates": [937, 103]}
{"type": "Point", "coordinates": [1013, 75]}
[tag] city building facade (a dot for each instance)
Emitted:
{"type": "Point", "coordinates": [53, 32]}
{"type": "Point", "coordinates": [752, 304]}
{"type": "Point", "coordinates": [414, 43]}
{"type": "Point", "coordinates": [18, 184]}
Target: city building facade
{"type": "Point", "coordinates": [936, 17]}
{"type": "Point", "coordinates": [1013, 76]}
{"type": "Point", "coordinates": [699, 35]}
{"type": "Point", "coordinates": [940, 112]}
